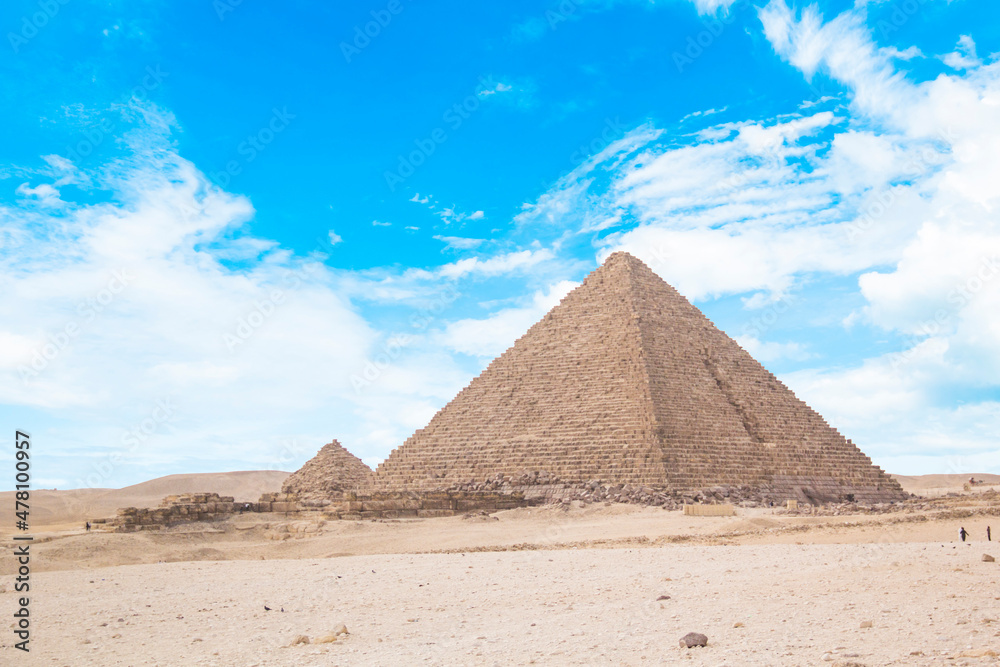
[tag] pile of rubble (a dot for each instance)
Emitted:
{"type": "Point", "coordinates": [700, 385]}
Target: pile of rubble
{"type": "Point", "coordinates": [544, 487]}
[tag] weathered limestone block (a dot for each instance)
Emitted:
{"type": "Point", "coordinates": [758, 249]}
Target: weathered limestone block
{"type": "Point", "coordinates": [437, 504]}
{"type": "Point", "coordinates": [710, 510]}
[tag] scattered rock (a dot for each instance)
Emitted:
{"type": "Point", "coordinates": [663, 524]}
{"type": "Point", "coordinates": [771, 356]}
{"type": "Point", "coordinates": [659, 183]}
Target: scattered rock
{"type": "Point", "coordinates": [692, 639]}
{"type": "Point", "coordinates": [301, 639]}
{"type": "Point", "coordinates": [980, 653]}
{"type": "Point", "coordinates": [737, 624]}
{"type": "Point", "coordinates": [988, 558]}
{"type": "Point", "coordinates": [340, 629]}
{"type": "Point", "coordinates": [663, 597]}
{"type": "Point", "coordinates": [866, 624]}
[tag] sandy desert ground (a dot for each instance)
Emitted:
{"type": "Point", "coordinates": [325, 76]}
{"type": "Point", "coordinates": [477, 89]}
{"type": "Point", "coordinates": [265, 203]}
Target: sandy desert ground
{"type": "Point", "coordinates": [546, 586]}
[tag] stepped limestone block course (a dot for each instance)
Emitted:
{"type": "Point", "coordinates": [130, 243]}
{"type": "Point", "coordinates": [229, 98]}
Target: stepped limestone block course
{"type": "Point", "coordinates": [332, 472]}
{"type": "Point", "coordinates": [626, 382]}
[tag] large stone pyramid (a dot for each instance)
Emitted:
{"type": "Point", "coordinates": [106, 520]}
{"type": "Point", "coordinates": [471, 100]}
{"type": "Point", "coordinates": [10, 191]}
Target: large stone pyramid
{"type": "Point", "coordinates": [626, 382]}
{"type": "Point", "coordinates": [330, 473]}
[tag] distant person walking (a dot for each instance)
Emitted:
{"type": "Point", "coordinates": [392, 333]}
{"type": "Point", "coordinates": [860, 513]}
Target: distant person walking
{"type": "Point", "coordinates": [988, 538]}
{"type": "Point", "coordinates": [962, 532]}
{"type": "Point", "coordinates": [88, 527]}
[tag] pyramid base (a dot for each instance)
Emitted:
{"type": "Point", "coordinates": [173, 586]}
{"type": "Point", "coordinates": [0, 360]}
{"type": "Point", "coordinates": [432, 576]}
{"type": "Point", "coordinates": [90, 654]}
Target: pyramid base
{"type": "Point", "coordinates": [544, 488]}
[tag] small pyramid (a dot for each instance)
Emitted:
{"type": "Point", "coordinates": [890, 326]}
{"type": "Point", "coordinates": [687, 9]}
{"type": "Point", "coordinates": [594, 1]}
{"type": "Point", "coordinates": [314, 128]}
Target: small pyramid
{"type": "Point", "coordinates": [332, 472]}
{"type": "Point", "coordinates": [626, 382]}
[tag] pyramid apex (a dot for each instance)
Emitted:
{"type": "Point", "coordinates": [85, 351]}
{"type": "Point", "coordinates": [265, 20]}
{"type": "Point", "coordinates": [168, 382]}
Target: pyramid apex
{"type": "Point", "coordinates": [623, 259]}
{"type": "Point", "coordinates": [621, 256]}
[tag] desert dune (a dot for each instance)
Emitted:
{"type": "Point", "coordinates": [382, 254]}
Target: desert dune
{"type": "Point", "coordinates": [557, 584]}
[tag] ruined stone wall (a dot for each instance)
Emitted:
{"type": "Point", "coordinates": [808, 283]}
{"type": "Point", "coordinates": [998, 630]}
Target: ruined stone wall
{"type": "Point", "coordinates": [394, 505]}
{"type": "Point", "coordinates": [173, 510]}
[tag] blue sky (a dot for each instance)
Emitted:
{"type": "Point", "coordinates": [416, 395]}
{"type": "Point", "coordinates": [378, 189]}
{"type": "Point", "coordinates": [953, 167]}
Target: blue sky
{"type": "Point", "coordinates": [231, 233]}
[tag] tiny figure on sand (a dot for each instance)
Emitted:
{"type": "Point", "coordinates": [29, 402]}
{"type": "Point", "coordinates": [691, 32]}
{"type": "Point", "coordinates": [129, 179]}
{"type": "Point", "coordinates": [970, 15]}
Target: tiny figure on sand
{"type": "Point", "coordinates": [962, 532]}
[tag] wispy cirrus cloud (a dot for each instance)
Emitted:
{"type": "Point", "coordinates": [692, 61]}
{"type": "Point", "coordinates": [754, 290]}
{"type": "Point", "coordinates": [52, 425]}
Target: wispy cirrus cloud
{"type": "Point", "coordinates": [160, 293]}
{"type": "Point", "coordinates": [891, 185]}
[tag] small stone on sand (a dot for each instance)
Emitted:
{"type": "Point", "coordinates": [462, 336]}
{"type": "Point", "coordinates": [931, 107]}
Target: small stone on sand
{"type": "Point", "coordinates": [692, 639]}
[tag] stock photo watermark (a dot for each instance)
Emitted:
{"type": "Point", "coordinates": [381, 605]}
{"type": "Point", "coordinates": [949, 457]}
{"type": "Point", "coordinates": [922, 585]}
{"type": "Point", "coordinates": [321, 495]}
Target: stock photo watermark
{"type": "Point", "coordinates": [393, 347]}
{"type": "Point", "coordinates": [264, 308]}
{"type": "Point", "coordinates": [612, 131]}
{"type": "Point", "coordinates": [88, 310]}
{"type": "Point", "coordinates": [95, 135]}
{"type": "Point", "coordinates": [959, 296]}
{"type": "Point", "coordinates": [920, 164]}
{"type": "Point", "coordinates": [251, 147]}
{"type": "Point", "coordinates": [769, 316]}
{"type": "Point", "coordinates": [697, 44]}
{"type": "Point", "coordinates": [900, 15]}
{"type": "Point", "coordinates": [453, 117]}
{"type": "Point", "coordinates": [365, 33]}
{"type": "Point", "coordinates": [246, 326]}
{"type": "Point", "coordinates": [163, 412]}
{"type": "Point", "coordinates": [32, 24]}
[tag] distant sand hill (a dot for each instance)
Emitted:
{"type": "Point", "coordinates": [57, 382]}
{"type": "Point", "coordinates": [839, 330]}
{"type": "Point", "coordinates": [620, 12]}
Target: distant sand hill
{"type": "Point", "coordinates": [937, 485]}
{"type": "Point", "coordinates": [55, 508]}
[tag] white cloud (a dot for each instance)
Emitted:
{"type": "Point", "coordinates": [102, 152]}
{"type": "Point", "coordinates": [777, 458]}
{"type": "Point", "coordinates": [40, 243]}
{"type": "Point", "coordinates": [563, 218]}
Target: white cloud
{"type": "Point", "coordinates": [111, 309]}
{"type": "Point", "coordinates": [459, 243]}
{"type": "Point", "coordinates": [500, 87]}
{"type": "Point", "coordinates": [44, 194]}
{"type": "Point", "coordinates": [489, 337]}
{"type": "Point", "coordinates": [334, 237]}
{"type": "Point", "coordinates": [496, 265]}
{"type": "Point", "coordinates": [907, 54]}
{"type": "Point", "coordinates": [378, 223]}
{"type": "Point", "coordinates": [964, 56]}
{"type": "Point", "coordinates": [713, 6]}
{"type": "Point", "coordinates": [844, 49]}
{"type": "Point", "coordinates": [897, 185]}
{"type": "Point", "coordinates": [890, 409]}
{"type": "Point", "coordinates": [769, 351]}
{"type": "Point", "coordinates": [447, 214]}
